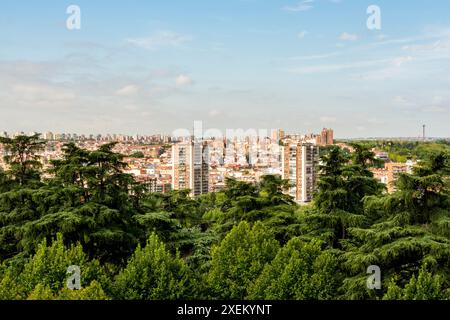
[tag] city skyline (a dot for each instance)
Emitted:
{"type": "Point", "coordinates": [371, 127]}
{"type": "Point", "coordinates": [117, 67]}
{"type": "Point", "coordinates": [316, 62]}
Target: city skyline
{"type": "Point", "coordinates": [87, 135]}
{"type": "Point", "coordinates": [148, 67]}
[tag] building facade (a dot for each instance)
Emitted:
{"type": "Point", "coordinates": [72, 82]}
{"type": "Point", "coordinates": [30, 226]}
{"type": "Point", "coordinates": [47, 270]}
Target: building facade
{"type": "Point", "coordinates": [326, 137]}
{"type": "Point", "coordinates": [300, 166]}
{"type": "Point", "coordinates": [190, 162]}
{"type": "Point", "coordinates": [394, 169]}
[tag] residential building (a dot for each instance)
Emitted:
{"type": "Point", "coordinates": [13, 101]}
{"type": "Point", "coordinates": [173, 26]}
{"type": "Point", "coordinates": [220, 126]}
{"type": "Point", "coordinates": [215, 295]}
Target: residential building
{"type": "Point", "coordinates": [300, 166]}
{"type": "Point", "coordinates": [191, 167]}
{"type": "Point", "coordinates": [393, 170]}
{"type": "Point", "coordinates": [48, 136]}
{"type": "Point", "coordinates": [381, 155]}
{"type": "Point", "coordinates": [326, 137]}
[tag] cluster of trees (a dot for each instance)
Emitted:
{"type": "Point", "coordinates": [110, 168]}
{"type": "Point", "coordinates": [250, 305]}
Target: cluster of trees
{"type": "Point", "coordinates": [246, 242]}
{"type": "Point", "coordinates": [401, 151]}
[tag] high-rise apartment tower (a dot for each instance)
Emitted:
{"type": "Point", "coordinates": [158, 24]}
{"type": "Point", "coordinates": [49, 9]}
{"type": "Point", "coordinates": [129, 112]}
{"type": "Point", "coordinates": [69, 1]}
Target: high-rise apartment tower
{"type": "Point", "coordinates": [191, 167]}
{"type": "Point", "coordinates": [300, 166]}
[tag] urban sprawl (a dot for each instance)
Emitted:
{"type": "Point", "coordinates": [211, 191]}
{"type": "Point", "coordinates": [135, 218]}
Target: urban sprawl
{"type": "Point", "coordinates": [165, 163]}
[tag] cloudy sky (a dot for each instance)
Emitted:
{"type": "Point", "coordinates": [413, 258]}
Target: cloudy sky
{"type": "Point", "coordinates": [148, 66]}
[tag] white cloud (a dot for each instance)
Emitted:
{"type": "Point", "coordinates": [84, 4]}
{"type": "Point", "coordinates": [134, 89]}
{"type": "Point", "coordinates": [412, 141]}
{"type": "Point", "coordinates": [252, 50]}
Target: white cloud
{"type": "Point", "coordinates": [131, 107]}
{"type": "Point", "coordinates": [437, 46]}
{"type": "Point", "coordinates": [436, 104]}
{"type": "Point", "coordinates": [392, 68]}
{"type": "Point", "coordinates": [41, 93]}
{"type": "Point", "coordinates": [374, 69]}
{"type": "Point", "coordinates": [400, 100]}
{"type": "Point", "coordinates": [183, 80]}
{"type": "Point", "coordinates": [128, 90]}
{"type": "Point", "coordinates": [214, 113]}
{"type": "Point", "coordinates": [398, 62]}
{"type": "Point", "coordinates": [438, 99]}
{"type": "Point", "coordinates": [348, 37]}
{"type": "Point", "coordinates": [361, 128]}
{"type": "Point", "coordinates": [436, 109]}
{"type": "Point", "coordinates": [160, 39]}
{"type": "Point", "coordinates": [314, 56]}
{"type": "Point", "coordinates": [335, 67]}
{"type": "Point", "coordinates": [327, 119]}
{"type": "Point", "coordinates": [304, 5]}
{"type": "Point", "coordinates": [375, 121]}
{"type": "Point", "coordinates": [302, 34]}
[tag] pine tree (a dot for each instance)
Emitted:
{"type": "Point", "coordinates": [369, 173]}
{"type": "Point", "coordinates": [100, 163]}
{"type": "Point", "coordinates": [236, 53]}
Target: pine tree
{"type": "Point", "coordinates": [89, 200]}
{"type": "Point", "coordinates": [343, 184]}
{"type": "Point", "coordinates": [22, 159]}
{"type": "Point", "coordinates": [3, 181]}
{"type": "Point", "coordinates": [424, 286]}
{"type": "Point", "coordinates": [409, 230]}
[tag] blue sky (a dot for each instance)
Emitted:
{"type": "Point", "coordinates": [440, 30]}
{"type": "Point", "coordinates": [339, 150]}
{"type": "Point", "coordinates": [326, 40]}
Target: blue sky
{"type": "Point", "coordinates": [143, 66]}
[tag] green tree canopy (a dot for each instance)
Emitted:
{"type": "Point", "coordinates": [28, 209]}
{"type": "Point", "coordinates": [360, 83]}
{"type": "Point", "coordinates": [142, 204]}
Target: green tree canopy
{"type": "Point", "coordinates": [239, 260]}
{"type": "Point", "coordinates": [153, 274]}
{"type": "Point", "coordinates": [22, 159]}
{"type": "Point", "coordinates": [45, 273]}
{"type": "Point", "coordinates": [300, 271]}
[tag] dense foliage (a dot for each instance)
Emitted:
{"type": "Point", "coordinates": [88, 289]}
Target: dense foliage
{"type": "Point", "coordinates": [245, 242]}
{"type": "Point", "coordinates": [401, 151]}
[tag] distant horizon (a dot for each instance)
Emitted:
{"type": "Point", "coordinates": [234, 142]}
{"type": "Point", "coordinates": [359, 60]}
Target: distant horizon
{"type": "Point", "coordinates": [419, 138]}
